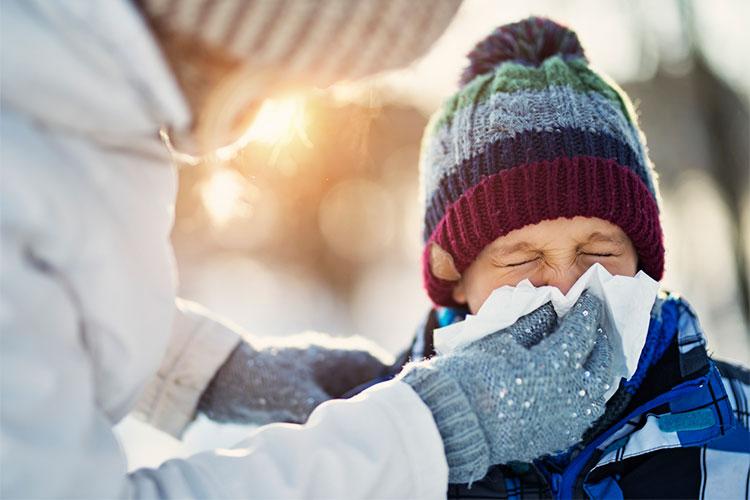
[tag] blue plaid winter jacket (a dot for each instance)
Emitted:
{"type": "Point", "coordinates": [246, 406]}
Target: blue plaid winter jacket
{"type": "Point", "coordinates": [680, 428]}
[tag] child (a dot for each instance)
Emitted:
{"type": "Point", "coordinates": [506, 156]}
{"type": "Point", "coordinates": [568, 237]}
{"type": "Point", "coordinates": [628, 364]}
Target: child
{"type": "Point", "coordinates": [536, 169]}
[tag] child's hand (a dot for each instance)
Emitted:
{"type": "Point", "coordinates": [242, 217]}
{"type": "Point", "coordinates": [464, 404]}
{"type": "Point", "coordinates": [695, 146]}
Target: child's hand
{"type": "Point", "coordinates": [284, 380]}
{"type": "Point", "coordinates": [496, 401]}
{"type": "Point", "coordinates": [529, 330]}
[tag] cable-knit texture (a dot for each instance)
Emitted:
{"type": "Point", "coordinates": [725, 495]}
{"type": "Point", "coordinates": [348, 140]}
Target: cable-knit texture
{"type": "Point", "coordinates": [534, 134]}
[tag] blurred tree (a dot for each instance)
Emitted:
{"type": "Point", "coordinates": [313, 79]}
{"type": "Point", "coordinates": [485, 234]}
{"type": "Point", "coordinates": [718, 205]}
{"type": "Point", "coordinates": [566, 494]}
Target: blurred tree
{"type": "Point", "coordinates": [727, 125]}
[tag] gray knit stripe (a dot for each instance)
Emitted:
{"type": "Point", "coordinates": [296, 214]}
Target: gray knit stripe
{"type": "Point", "coordinates": [329, 39]}
{"type": "Point", "coordinates": [235, 24]}
{"type": "Point", "coordinates": [330, 28]}
{"type": "Point", "coordinates": [215, 19]}
{"type": "Point", "coordinates": [283, 41]}
{"type": "Point", "coordinates": [307, 25]}
{"type": "Point", "coordinates": [363, 25]}
{"type": "Point", "coordinates": [513, 77]}
{"type": "Point", "coordinates": [248, 27]}
{"type": "Point", "coordinates": [379, 48]}
{"type": "Point", "coordinates": [503, 116]}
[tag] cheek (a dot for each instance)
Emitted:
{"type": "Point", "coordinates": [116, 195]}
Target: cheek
{"type": "Point", "coordinates": [625, 265]}
{"type": "Point", "coordinates": [480, 285]}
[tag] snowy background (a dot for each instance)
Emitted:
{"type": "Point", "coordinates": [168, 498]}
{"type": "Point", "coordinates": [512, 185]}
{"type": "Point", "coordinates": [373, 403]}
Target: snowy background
{"type": "Point", "coordinates": [316, 224]}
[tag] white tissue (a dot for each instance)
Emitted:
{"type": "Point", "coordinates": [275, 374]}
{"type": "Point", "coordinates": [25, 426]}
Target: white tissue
{"type": "Point", "coordinates": [627, 303]}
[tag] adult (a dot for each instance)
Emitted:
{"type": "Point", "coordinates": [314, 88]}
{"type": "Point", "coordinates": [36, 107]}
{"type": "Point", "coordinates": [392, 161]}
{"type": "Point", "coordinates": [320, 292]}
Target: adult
{"type": "Point", "coordinates": [88, 281]}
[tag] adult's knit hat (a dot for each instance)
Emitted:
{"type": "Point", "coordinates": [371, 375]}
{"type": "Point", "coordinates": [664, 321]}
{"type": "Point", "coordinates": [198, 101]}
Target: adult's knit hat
{"type": "Point", "coordinates": [319, 41]}
{"type": "Point", "coordinates": [230, 55]}
{"type": "Point", "coordinates": [533, 134]}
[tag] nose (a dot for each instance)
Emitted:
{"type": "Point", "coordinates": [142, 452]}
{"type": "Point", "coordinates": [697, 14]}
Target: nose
{"type": "Point", "coordinates": [563, 279]}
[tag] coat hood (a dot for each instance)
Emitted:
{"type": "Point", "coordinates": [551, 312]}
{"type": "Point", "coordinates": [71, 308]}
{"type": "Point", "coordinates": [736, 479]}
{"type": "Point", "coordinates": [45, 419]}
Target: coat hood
{"type": "Point", "coordinates": [65, 60]}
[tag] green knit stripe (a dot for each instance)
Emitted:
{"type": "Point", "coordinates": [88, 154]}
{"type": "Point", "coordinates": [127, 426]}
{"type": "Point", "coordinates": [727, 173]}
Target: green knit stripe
{"type": "Point", "coordinates": [512, 77]}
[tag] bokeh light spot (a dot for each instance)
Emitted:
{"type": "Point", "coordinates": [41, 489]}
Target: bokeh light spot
{"type": "Point", "coordinates": [357, 219]}
{"type": "Point", "coordinates": [224, 195]}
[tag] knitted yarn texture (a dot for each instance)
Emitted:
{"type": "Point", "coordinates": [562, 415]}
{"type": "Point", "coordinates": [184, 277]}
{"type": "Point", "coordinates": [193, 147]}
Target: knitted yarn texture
{"type": "Point", "coordinates": [533, 134]}
{"type": "Point", "coordinates": [496, 401]}
{"type": "Point", "coordinates": [285, 380]}
{"type": "Point", "coordinates": [319, 41]}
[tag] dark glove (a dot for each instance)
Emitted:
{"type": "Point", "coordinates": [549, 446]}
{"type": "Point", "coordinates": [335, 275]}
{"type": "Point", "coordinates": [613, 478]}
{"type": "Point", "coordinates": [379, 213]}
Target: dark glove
{"type": "Point", "coordinates": [284, 379]}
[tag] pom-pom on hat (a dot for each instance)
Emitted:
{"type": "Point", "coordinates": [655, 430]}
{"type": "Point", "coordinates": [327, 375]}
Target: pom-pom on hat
{"type": "Point", "coordinates": [533, 134]}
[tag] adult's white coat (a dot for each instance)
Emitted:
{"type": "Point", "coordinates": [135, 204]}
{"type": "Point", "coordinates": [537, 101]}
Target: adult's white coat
{"type": "Point", "coordinates": [90, 331]}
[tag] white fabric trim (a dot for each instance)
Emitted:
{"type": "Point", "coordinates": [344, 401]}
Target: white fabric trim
{"type": "Point", "coordinates": [199, 345]}
{"type": "Point", "coordinates": [647, 439]}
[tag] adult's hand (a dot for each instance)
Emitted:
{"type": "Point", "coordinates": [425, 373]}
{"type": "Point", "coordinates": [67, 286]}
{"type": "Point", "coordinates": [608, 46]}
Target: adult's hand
{"type": "Point", "coordinates": [284, 379]}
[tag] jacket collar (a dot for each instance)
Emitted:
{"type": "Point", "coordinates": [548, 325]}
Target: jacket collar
{"type": "Point", "coordinates": [681, 401]}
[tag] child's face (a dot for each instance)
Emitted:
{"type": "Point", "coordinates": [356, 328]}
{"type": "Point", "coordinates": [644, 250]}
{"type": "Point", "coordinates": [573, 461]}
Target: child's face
{"type": "Point", "coordinates": [553, 252]}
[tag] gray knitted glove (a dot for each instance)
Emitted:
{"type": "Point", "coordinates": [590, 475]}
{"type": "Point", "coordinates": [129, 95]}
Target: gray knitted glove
{"type": "Point", "coordinates": [529, 330]}
{"type": "Point", "coordinates": [286, 380]}
{"type": "Point", "coordinates": [495, 401]}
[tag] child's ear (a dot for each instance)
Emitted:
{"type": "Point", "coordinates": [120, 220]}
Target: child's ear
{"type": "Point", "coordinates": [442, 265]}
{"type": "Point", "coordinates": [459, 292]}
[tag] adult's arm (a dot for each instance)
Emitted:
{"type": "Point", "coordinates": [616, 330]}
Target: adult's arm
{"type": "Point", "coordinates": [212, 366]}
{"type": "Point", "coordinates": [199, 345]}
{"type": "Point", "coordinates": [57, 442]}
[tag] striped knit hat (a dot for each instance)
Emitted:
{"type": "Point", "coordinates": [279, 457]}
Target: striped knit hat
{"type": "Point", "coordinates": [320, 41]}
{"type": "Point", "coordinates": [533, 134]}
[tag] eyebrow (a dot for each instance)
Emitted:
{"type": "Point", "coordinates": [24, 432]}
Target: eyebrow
{"type": "Point", "coordinates": [524, 246]}
{"type": "Point", "coordinates": [514, 247]}
{"type": "Point", "coordinates": [604, 237]}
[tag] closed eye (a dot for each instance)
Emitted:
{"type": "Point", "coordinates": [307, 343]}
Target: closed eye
{"type": "Point", "coordinates": [590, 254]}
{"type": "Point", "coordinates": [516, 264]}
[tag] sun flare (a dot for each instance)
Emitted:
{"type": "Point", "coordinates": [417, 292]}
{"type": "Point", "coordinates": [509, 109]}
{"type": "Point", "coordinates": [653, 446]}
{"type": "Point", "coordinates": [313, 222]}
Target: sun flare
{"type": "Point", "coordinates": [224, 195]}
{"type": "Point", "coordinates": [279, 121]}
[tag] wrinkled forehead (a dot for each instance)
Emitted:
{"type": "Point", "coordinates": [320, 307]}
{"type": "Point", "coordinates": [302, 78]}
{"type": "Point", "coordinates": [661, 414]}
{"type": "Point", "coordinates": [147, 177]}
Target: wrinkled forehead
{"type": "Point", "coordinates": [561, 232]}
